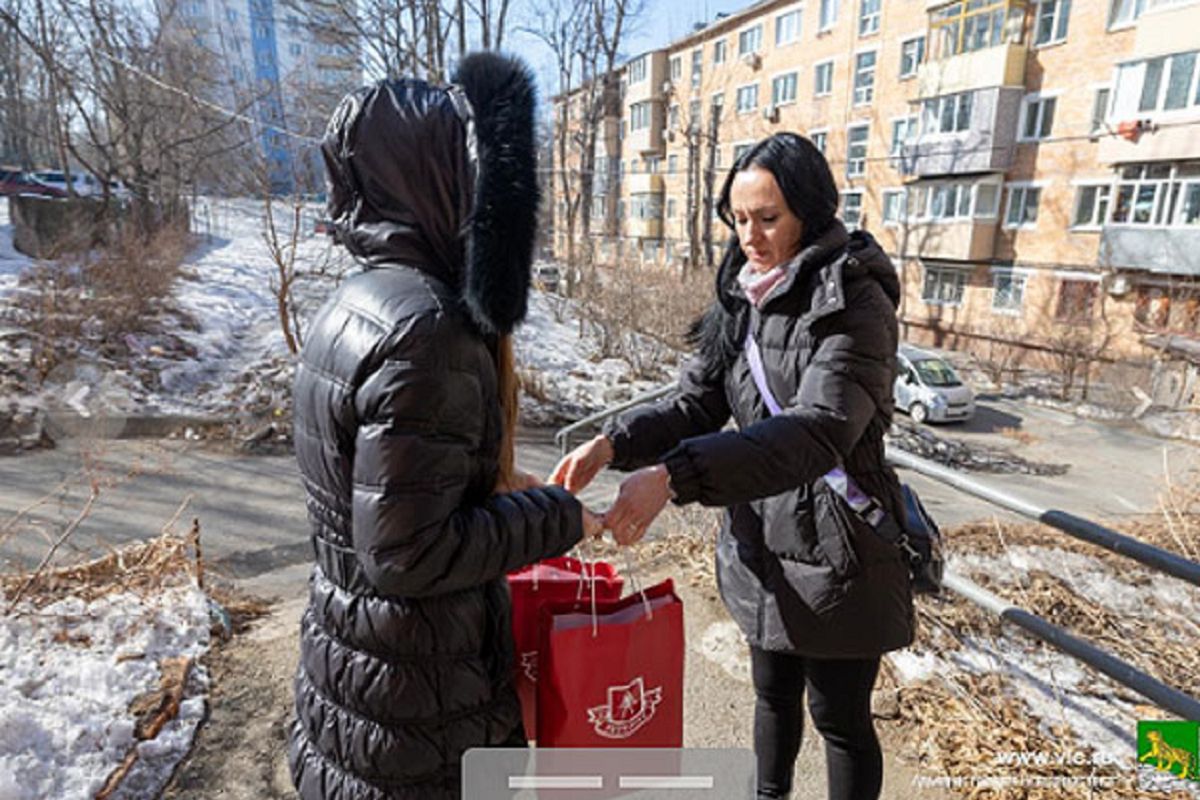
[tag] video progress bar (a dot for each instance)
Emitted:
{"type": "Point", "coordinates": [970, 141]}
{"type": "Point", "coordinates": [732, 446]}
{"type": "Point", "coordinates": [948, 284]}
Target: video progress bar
{"type": "Point", "coordinates": [623, 781]}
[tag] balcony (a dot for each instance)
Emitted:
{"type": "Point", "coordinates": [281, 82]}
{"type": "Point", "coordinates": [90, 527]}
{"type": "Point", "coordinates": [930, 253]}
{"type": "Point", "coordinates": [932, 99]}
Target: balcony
{"type": "Point", "coordinates": [644, 228]}
{"type": "Point", "coordinates": [644, 183]}
{"type": "Point", "coordinates": [979, 139]}
{"type": "Point", "coordinates": [968, 240]}
{"type": "Point", "coordinates": [1171, 251]}
{"type": "Point", "coordinates": [1003, 65]}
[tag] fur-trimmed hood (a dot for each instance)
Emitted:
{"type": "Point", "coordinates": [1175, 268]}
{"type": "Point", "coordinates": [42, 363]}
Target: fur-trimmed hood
{"type": "Point", "coordinates": [444, 179]}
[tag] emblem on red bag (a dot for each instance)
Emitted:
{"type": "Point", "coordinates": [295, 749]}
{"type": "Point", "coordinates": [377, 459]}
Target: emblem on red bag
{"type": "Point", "coordinates": [529, 664]}
{"type": "Point", "coordinates": [629, 708]}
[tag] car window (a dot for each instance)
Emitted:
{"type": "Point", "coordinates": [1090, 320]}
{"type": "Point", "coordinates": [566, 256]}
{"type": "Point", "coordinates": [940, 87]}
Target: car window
{"type": "Point", "coordinates": [935, 372]}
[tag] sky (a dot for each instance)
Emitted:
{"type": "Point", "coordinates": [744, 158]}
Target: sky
{"type": "Point", "coordinates": [662, 22]}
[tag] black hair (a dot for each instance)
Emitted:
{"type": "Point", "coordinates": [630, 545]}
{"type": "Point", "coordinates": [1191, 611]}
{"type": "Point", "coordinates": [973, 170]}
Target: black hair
{"type": "Point", "coordinates": [807, 185]}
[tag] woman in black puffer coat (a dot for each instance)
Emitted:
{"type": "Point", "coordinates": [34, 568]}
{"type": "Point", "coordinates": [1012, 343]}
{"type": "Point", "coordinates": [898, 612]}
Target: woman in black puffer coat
{"type": "Point", "coordinates": [818, 594]}
{"type": "Point", "coordinates": [405, 404]}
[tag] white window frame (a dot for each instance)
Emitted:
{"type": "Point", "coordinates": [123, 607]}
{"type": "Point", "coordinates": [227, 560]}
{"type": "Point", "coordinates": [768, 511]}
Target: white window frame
{"type": "Point", "coordinates": [1024, 274]}
{"type": "Point", "coordinates": [963, 275]}
{"type": "Point", "coordinates": [697, 66]}
{"type": "Point", "coordinates": [1058, 28]}
{"type": "Point", "coordinates": [859, 193]}
{"type": "Point", "coordinates": [939, 102]}
{"type": "Point", "coordinates": [1136, 7]}
{"type": "Point", "coordinates": [675, 68]}
{"type": "Point", "coordinates": [737, 148]}
{"type": "Point", "coordinates": [737, 99]}
{"type": "Point", "coordinates": [869, 89]}
{"type": "Point", "coordinates": [724, 47]}
{"type": "Point", "coordinates": [829, 62]}
{"type": "Point", "coordinates": [1039, 99]}
{"type": "Point", "coordinates": [638, 71]}
{"type": "Point", "coordinates": [747, 29]}
{"type": "Point", "coordinates": [795, 73]}
{"type": "Point", "coordinates": [912, 126]}
{"type": "Point", "coordinates": [798, 10]}
{"type": "Point", "coordinates": [824, 134]}
{"type": "Point", "coordinates": [860, 162]}
{"type": "Point", "coordinates": [826, 22]}
{"type": "Point", "coordinates": [863, 17]}
{"type": "Point", "coordinates": [904, 42]}
{"type": "Point", "coordinates": [1097, 130]}
{"type": "Point", "coordinates": [1024, 187]}
{"type": "Point", "coordinates": [888, 193]}
{"type": "Point", "coordinates": [1096, 220]}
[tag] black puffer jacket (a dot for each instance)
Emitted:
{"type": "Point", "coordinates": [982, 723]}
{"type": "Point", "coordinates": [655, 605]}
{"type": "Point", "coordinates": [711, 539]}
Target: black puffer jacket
{"type": "Point", "coordinates": [406, 643]}
{"type": "Point", "coordinates": [797, 569]}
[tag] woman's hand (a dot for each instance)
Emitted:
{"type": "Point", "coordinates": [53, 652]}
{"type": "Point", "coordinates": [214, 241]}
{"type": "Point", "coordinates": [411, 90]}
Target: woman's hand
{"type": "Point", "coordinates": [643, 495]}
{"type": "Point", "coordinates": [593, 524]}
{"type": "Point", "coordinates": [521, 480]}
{"type": "Point", "coordinates": [581, 465]}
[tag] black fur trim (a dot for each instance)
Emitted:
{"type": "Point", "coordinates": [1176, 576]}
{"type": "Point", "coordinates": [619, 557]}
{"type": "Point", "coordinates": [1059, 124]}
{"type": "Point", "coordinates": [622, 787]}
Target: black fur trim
{"type": "Point", "coordinates": [504, 222]}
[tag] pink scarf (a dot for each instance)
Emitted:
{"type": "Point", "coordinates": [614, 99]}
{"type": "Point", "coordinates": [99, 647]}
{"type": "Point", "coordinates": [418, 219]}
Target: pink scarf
{"type": "Point", "coordinates": [757, 285]}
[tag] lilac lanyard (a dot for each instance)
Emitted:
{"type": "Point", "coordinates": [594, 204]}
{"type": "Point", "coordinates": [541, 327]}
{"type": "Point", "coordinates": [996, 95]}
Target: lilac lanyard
{"type": "Point", "coordinates": [862, 503]}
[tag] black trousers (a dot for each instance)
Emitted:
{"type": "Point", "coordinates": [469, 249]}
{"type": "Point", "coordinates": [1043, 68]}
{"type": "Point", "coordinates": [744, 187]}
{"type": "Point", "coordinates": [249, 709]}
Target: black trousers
{"type": "Point", "coordinates": [839, 700]}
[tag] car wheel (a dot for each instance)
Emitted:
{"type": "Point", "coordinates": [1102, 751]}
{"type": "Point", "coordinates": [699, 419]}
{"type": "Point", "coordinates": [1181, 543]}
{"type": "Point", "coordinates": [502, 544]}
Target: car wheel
{"type": "Point", "coordinates": [918, 412]}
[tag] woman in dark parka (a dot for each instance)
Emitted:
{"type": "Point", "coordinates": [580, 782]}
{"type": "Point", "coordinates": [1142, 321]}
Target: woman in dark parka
{"type": "Point", "coordinates": [405, 404]}
{"type": "Point", "coordinates": [817, 593]}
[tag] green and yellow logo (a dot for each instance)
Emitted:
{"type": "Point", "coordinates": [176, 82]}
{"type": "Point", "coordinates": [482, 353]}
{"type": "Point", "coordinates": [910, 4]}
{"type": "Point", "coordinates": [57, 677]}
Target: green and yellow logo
{"type": "Point", "coordinates": [1169, 746]}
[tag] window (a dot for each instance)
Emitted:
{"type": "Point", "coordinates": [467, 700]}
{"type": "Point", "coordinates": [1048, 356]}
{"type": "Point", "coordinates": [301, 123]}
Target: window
{"type": "Point", "coordinates": [852, 209]}
{"type": "Point", "coordinates": [1008, 290]}
{"type": "Point", "coordinates": [1050, 24]}
{"type": "Point", "coordinates": [673, 117]}
{"type": "Point", "coordinates": [943, 286]}
{"type": "Point", "coordinates": [293, 23]}
{"type": "Point", "coordinates": [783, 89]}
{"type": "Point", "coordinates": [639, 116]}
{"type": "Point", "coordinates": [718, 52]}
{"type": "Point", "coordinates": [987, 200]}
{"type": "Point", "coordinates": [904, 130]}
{"type": "Point", "coordinates": [647, 205]}
{"type": "Point", "coordinates": [912, 53]}
{"type": "Point", "coordinates": [894, 206]}
{"type": "Point", "coordinates": [717, 104]}
{"type": "Point", "coordinates": [676, 69]}
{"type": "Point", "coordinates": [1100, 109]}
{"type": "Point", "coordinates": [750, 40]}
{"type": "Point", "coordinates": [1158, 194]}
{"type": "Point", "coordinates": [741, 149]}
{"type": "Point", "coordinates": [823, 78]}
{"type": "Point", "coordinates": [864, 78]}
{"type": "Point", "coordinates": [637, 70]}
{"type": "Point", "coordinates": [697, 66]}
{"type": "Point", "coordinates": [672, 164]}
{"type": "Point", "coordinates": [947, 114]}
{"type": "Point", "coordinates": [295, 49]}
{"type": "Point", "coordinates": [1037, 117]}
{"type": "Point", "coordinates": [747, 98]}
{"type": "Point", "coordinates": [829, 12]}
{"type": "Point", "coordinates": [694, 115]}
{"type": "Point", "coordinates": [1166, 83]}
{"type": "Point", "coordinates": [965, 27]}
{"type": "Point", "coordinates": [652, 164]}
{"type": "Point", "coordinates": [868, 16]}
{"type": "Point", "coordinates": [787, 27]}
{"type": "Point", "coordinates": [1091, 206]}
{"type": "Point", "coordinates": [671, 206]}
{"type": "Point", "coordinates": [1124, 12]}
{"type": "Point", "coordinates": [856, 149]}
{"type": "Point", "coordinates": [1076, 300]}
{"type": "Point", "coordinates": [231, 14]}
{"type": "Point", "coordinates": [819, 139]}
{"type": "Point", "coordinates": [1022, 206]}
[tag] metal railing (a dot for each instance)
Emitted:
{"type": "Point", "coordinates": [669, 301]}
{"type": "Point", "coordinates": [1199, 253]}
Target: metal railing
{"type": "Point", "coordinates": [1159, 693]}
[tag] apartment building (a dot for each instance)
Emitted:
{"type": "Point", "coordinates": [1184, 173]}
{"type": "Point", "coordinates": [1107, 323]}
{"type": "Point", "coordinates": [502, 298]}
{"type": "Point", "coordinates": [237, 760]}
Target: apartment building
{"type": "Point", "coordinates": [288, 61]}
{"type": "Point", "coordinates": [1032, 166]}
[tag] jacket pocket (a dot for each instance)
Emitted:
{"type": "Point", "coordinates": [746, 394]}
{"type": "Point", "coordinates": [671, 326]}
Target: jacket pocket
{"type": "Point", "coordinates": [838, 530]}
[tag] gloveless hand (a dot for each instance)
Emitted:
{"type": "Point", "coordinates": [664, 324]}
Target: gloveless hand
{"type": "Point", "coordinates": [581, 465]}
{"type": "Point", "coordinates": [640, 500]}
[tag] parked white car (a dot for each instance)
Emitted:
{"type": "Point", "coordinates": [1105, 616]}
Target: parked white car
{"type": "Point", "coordinates": [85, 184]}
{"type": "Point", "coordinates": [929, 389]}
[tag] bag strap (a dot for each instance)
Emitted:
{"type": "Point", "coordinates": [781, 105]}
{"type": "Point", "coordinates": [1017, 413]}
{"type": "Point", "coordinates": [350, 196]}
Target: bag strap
{"type": "Point", "coordinates": [861, 503]}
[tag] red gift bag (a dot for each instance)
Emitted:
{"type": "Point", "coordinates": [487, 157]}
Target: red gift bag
{"type": "Point", "coordinates": [617, 680]}
{"type": "Point", "coordinates": [555, 580]}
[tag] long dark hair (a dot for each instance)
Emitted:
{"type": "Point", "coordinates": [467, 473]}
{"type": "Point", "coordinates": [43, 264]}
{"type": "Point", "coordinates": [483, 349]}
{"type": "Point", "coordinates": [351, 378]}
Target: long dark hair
{"type": "Point", "coordinates": [807, 184]}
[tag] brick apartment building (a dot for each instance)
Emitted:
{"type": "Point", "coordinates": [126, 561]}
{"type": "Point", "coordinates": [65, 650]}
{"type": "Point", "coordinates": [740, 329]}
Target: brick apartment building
{"type": "Point", "coordinates": [1033, 167]}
